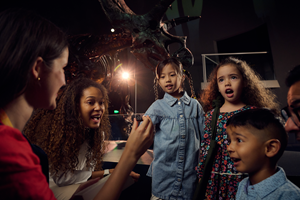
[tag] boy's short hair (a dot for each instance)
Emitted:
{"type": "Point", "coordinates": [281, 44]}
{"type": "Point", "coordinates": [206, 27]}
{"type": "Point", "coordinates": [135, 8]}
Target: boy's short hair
{"type": "Point", "coordinates": [293, 76]}
{"type": "Point", "coordinates": [262, 119]}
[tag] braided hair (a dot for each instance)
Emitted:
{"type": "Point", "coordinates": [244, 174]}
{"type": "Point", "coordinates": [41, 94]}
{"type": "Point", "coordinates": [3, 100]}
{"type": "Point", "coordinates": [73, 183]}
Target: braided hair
{"type": "Point", "coordinates": [189, 76]}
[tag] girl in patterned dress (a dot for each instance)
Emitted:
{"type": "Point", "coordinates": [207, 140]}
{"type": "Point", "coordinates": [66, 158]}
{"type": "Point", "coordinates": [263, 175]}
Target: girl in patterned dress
{"type": "Point", "coordinates": [241, 90]}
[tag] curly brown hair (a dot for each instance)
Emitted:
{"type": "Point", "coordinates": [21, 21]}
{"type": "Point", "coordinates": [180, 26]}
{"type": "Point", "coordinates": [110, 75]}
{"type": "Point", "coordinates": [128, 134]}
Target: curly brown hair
{"type": "Point", "coordinates": [60, 132]}
{"type": "Point", "coordinates": [254, 93]}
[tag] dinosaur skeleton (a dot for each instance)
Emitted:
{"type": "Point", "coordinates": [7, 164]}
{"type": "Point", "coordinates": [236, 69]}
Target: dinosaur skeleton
{"type": "Point", "coordinates": [146, 35]}
{"type": "Point", "coordinates": [150, 36]}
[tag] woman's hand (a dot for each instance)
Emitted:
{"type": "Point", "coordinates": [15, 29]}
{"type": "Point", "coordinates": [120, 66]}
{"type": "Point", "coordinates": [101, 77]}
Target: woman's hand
{"type": "Point", "coordinates": [134, 176]}
{"type": "Point", "coordinates": [140, 138]}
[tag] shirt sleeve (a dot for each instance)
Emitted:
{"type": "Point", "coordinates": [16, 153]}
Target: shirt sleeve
{"type": "Point", "coordinates": [152, 113]}
{"type": "Point", "coordinates": [80, 174]}
{"type": "Point", "coordinates": [21, 173]}
{"type": "Point", "coordinates": [70, 178]}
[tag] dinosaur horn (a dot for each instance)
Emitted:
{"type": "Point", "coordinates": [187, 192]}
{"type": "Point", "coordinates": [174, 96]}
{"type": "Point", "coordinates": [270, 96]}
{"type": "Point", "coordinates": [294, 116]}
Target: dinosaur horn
{"type": "Point", "coordinates": [177, 21]}
{"type": "Point", "coordinates": [159, 10]}
{"type": "Point", "coordinates": [122, 5]}
{"type": "Point", "coordinates": [116, 11]}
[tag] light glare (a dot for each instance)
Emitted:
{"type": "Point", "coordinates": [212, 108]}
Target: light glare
{"type": "Point", "coordinates": [125, 75]}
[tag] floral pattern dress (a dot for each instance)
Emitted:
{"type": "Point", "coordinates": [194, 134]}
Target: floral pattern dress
{"type": "Point", "coordinates": [224, 179]}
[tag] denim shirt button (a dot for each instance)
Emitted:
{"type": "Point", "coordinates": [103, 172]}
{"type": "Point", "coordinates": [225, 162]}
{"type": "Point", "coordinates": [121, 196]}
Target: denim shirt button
{"type": "Point", "coordinates": [181, 158]}
{"type": "Point", "coordinates": [183, 136]}
{"type": "Point", "coordinates": [179, 102]}
{"type": "Point", "coordinates": [179, 180]}
{"type": "Point", "coordinates": [181, 115]}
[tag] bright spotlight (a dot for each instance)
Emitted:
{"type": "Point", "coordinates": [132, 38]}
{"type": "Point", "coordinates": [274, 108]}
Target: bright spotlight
{"type": "Point", "coordinates": [125, 75]}
{"type": "Point", "coordinates": [112, 30]}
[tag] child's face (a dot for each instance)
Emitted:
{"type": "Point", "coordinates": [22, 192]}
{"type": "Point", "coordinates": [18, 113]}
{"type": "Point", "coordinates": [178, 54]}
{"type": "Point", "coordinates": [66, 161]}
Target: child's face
{"type": "Point", "coordinates": [170, 81]}
{"type": "Point", "coordinates": [246, 150]}
{"type": "Point", "coordinates": [230, 83]}
{"type": "Point", "coordinates": [92, 107]}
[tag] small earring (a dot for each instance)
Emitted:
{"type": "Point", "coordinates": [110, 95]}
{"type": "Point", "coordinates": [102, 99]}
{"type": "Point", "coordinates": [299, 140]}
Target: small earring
{"type": "Point", "coordinates": [38, 78]}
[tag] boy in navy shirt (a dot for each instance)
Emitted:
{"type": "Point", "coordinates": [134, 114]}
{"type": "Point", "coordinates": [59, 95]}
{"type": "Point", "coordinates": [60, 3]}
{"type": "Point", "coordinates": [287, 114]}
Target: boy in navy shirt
{"type": "Point", "coordinates": [257, 140]}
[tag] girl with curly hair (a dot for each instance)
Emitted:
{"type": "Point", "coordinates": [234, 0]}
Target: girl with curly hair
{"type": "Point", "coordinates": [239, 88]}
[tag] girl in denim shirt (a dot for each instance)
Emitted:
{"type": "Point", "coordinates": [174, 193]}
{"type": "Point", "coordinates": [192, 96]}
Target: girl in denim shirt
{"type": "Point", "coordinates": [178, 120]}
{"type": "Point", "coordinates": [241, 90]}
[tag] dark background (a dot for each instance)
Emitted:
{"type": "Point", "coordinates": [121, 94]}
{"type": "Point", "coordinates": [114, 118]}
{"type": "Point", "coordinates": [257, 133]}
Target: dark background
{"type": "Point", "coordinates": [224, 27]}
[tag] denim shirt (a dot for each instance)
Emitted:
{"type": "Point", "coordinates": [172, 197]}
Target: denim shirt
{"type": "Point", "coordinates": [276, 187]}
{"type": "Point", "coordinates": [179, 128]}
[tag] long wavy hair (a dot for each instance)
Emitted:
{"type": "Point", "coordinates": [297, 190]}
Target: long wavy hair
{"type": "Point", "coordinates": [254, 93]}
{"type": "Point", "coordinates": [60, 132]}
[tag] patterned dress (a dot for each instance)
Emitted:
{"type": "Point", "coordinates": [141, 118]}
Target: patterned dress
{"type": "Point", "coordinates": [224, 179]}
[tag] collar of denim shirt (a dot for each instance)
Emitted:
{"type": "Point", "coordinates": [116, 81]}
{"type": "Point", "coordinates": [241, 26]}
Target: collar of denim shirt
{"type": "Point", "coordinates": [171, 100]}
{"type": "Point", "coordinates": [267, 186]}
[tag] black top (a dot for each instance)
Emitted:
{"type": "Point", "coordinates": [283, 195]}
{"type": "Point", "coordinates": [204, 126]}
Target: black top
{"type": "Point", "coordinates": [43, 158]}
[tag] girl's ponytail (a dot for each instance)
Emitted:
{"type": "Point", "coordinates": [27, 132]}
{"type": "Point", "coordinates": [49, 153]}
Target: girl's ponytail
{"type": "Point", "coordinates": [155, 85]}
{"type": "Point", "coordinates": [189, 76]}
